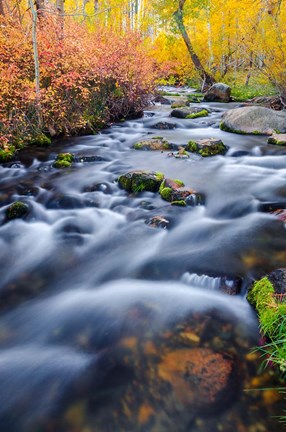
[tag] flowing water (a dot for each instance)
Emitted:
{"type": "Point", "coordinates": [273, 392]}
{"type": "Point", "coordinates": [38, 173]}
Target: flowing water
{"type": "Point", "coordinates": [107, 323]}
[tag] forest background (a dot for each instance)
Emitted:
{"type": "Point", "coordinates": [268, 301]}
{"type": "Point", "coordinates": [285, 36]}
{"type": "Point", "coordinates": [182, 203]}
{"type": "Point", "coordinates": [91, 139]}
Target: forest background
{"type": "Point", "coordinates": [69, 67]}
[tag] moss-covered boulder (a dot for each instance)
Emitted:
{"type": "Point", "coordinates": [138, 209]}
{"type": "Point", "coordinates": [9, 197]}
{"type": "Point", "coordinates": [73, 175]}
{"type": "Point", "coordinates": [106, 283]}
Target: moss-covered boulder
{"type": "Point", "coordinates": [173, 191]}
{"type": "Point", "coordinates": [155, 143]}
{"type": "Point", "coordinates": [139, 181]}
{"type": "Point", "coordinates": [207, 147]}
{"type": "Point", "coordinates": [17, 210]}
{"type": "Point", "coordinates": [64, 160]}
{"type": "Point", "coordinates": [268, 295]}
{"type": "Point", "coordinates": [189, 113]}
{"type": "Point", "coordinates": [202, 113]}
{"type": "Point", "coordinates": [278, 139]}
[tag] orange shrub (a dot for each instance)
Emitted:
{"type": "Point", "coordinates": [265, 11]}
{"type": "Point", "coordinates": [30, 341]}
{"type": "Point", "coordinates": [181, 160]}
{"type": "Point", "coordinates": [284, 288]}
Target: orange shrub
{"type": "Point", "coordinates": [86, 78]}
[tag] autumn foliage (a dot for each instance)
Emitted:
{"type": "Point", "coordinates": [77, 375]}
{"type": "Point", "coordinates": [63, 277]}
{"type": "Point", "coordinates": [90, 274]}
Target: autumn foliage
{"type": "Point", "coordinates": [87, 78]}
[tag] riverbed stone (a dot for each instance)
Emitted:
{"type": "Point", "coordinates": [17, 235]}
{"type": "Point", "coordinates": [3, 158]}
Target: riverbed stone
{"type": "Point", "coordinates": [17, 210]}
{"type": "Point", "coordinates": [200, 378]}
{"type": "Point", "coordinates": [180, 103]}
{"type": "Point", "coordinates": [278, 139]}
{"type": "Point", "coordinates": [207, 147]}
{"type": "Point", "coordinates": [155, 144]}
{"type": "Point", "coordinates": [191, 112]}
{"type": "Point", "coordinates": [158, 222]}
{"type": "Point", "coordinates": [218, 92]}
{"type": "Point", "coordinates": [253, 120]}
{"type": "Point", "coordinates": [139, 181]}
{"type": "Point", "coordinates": [164, 125]}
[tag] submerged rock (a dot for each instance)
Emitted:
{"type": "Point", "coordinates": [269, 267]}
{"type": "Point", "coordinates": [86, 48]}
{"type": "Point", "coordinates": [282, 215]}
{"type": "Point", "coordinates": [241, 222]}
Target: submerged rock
{"type": "Point", "coordinates": [253, 120]}
{"type": "Point", "coordinates": [17, 210]}
{"type": "Point", "coordinates": [155, 143]}
{"type": "Point", "coordinates": [158, 222]}
{"type": "Point", "coordinates": [139, 181]}
{"type": "Point", "coordinates": [164, 126]}
{"type": "Point", "coordinates": [218, 92]}
{"type": "Point", "coordinates": [207, 147]}
{"type": "Point", "coordinates": [189, 113]}
{"type": "Point", "coordinates": [200, 377]}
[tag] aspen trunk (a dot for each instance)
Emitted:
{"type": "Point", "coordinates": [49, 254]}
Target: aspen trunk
{"type": "Point", "coordinates": [208, 80]}
{"type": "Point", "coordinates": [36, 59]}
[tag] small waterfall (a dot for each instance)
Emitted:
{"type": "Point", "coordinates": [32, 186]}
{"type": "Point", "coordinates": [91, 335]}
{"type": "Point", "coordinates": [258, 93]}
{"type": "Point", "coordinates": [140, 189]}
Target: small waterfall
{"type": "Point", "coordinates": [201, 281]}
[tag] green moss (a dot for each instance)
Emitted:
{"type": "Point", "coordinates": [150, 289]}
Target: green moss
{"type": "Point", "coordinates": [66, 157]}
{"type": "Point", "coordinates": [275, 141]}
{"type": "Point", "coordinates": [159, 176]}
{"type": "Point", "coordinates": [64, 160]}
{"type": "Point", "coordinates": [166, 145]}
{"type": "Point", "coordinates": [166, 193]}
{"type": "Point", "coordinates": [180, 203]}
{"type": "Point", "coordinates": [272, 318]}
{"type": "Point", "coordinates": [169, 94]}
{"type": "Point", "coordinates": [192, 146]}
{"type": "Point", "coordinates": [202, 113]}
{"type": "Point", "coordinates": [179, 183]}
{"type": "Point", "coordinates": [225, 128]}
{"type": "Point", "coordinates": [138, 146]}
{"type": "Point", "coordinates": [17, 210]}
{"type": "Point", "coordinates": [157, 137]}
{"type": "Point", "coordinates": [62, 164]}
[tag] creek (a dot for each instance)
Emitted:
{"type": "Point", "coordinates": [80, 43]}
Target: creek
{"type": "Point", "coordinates": [106, 321]}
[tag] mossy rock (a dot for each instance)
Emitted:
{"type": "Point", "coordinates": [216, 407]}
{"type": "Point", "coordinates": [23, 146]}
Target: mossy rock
{"type": "Point", "coordinates": [173, 192]}
{"type": "Point", "coordinates": [202, 113]}
{"type": "Point", "coordinates": [155, 144]}
{"type": "Point", "coordinates": [140, 181]}
{"type": "Point", "coordinates": [189, 112]}
{"type": "Point", "coordinates": [64, 160]}
{"type": "Point", "coordinates": [17, 210]}
{"type": "Point", "coordinates": [207, 147]}
{"type": "Point", "coordinates": [277, 139]}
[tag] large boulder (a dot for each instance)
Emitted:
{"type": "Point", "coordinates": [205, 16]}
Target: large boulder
{"type": "Point", "coordinates": [254, 120]}
{"type": "Point", "coordinates": [139, 181]}
{"type": "Point", "coordinates": [207, 147]}
{"type": "Point", "coordinates": [218, 92]}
